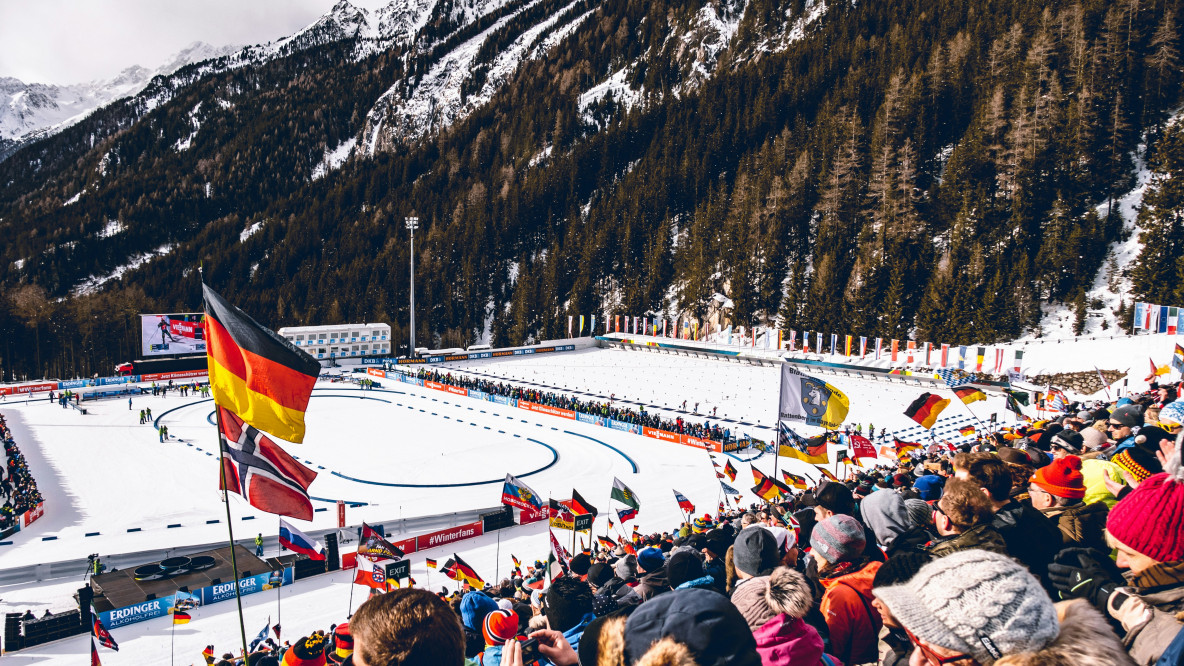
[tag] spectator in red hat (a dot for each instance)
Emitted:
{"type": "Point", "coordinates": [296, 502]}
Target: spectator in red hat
{"type": "Point", "coordinates": [1058, 491]}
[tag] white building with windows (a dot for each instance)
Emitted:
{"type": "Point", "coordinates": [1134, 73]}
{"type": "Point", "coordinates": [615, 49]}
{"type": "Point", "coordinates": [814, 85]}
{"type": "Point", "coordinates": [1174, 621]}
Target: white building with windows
{"type": "Point", "coordinates": [340, 341]}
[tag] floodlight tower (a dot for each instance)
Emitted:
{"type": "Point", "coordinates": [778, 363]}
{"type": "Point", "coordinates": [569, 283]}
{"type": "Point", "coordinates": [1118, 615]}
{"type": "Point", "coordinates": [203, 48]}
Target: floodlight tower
{"type": "Point", "coordinates": [412, 225]}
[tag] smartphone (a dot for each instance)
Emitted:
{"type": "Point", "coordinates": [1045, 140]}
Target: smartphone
{"type": "Point", "coordinates": [530, 651]}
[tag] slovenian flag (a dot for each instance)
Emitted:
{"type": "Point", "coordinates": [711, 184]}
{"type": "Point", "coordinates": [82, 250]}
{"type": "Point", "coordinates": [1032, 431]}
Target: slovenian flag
{"type": "Point", "coordinates": [298, 542]}
{"type": "Point", "coordinates": [626, 515]}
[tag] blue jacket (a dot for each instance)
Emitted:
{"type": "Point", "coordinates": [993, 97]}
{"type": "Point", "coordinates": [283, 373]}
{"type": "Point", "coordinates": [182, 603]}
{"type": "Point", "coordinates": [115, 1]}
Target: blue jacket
{"type": "Point", "coordinates": [492, 655]}
{"type": "Point", "coordinates": [572, 635]}
{"type": "Point", "coordinates": [703, 582]}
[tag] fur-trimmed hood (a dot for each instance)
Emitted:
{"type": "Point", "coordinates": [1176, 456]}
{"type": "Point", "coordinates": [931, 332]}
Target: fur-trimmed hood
{"type": "Point", "coordinates": [1085, 640]}
{"type": "Point", "coordinates": [763, 598]}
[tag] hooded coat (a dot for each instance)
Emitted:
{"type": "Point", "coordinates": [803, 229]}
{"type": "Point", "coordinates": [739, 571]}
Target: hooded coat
{"type": "Point", "coordinates": [979, 537]}
{"type": "Point", "coordinates": [885, 513]}
{"type": "Point", "coordinates": [847, 606]}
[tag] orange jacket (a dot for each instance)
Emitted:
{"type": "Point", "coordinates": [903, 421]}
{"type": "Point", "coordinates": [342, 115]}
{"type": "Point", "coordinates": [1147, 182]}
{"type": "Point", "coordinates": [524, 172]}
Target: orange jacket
{"type": "Point", "coordinates": [854, 624]}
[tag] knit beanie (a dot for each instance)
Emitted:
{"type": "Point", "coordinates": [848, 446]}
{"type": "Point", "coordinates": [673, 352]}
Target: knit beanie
{"type": "Point", "coordinates": [755, 550]}
{"type": "Point", "coordinates": [1093, 439]}
{"type": "Point", "coordinates": [1150, 520]}
{"type": "Point", "coordinates": [1069, 440]}
{"type": "Point", "coordinates": [920, 513]}
{"type": "Point", "coordinates": [1129, 415]}
{"type": "Point", "coordinates": [651, 560]}
{"type": "Point", "coordinates": [343, 644]}
{"type": "Point", "coordinates": [499, 626]}
{"type": "Point", "coordinates": [474, 606]}
{"type": "Point", "coordinates": [683, 566]}
{"type": "Point", "coordinates": [1062, 478]}
{"type": "Point", "coordinates": [308, 651]}
{"type": "Point", "coordinates": [838, 538]}
{"type": "Point", "coordinates": [580, 564]}
{"type": "Point", "coordinates": [761, 599]}
{"type": "Point", "coordinates": [976, 602]}
{"type": "Point", "coordinates": [599, 574]}
{"type": "Point", "coordinates": [626, 567]}
{"type": "Point", "coordinates": [1139, 462]}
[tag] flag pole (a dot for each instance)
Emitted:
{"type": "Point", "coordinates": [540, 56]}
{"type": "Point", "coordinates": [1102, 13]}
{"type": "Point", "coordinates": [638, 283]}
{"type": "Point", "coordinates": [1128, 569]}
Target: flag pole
{"type": "Point", "coordinates": [230, 531]}
{"type": "Point", "coordinates": [173, 636]}
{"type": "Point", "coordinates": [497, 558]}
{"type": "Point", "coordinates": [279, 602]}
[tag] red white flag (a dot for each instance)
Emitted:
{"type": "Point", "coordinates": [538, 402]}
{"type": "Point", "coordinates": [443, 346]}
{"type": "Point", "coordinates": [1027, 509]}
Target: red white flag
{"type": "Point", "coordinates": [262, 472]}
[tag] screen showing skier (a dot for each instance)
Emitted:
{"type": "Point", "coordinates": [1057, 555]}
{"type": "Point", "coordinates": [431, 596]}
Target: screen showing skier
{"type": "Point", "coordinates": [171, 334]}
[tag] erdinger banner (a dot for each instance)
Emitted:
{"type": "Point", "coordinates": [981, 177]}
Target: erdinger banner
{"type": "Point", "coordinates": [162, 334]}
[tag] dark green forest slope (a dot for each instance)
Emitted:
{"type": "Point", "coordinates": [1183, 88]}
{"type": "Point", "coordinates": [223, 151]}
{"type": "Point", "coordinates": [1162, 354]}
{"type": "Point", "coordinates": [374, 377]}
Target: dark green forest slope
{"type": "Point", "coordinates": [920, 168]}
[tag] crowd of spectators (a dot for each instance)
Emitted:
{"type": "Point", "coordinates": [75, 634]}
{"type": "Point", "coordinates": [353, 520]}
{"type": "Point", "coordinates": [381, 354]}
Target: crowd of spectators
{"type": "Point", "coordinates": [608, 410]}
{"type": "Point", "coordinates": [16, 483]}
{"type": "Point", "coordinates": [1006, 554]}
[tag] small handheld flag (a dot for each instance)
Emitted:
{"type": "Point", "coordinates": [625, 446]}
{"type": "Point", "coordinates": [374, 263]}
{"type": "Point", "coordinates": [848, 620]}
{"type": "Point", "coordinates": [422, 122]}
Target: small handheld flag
{"type": "Point", "coordinates": [926, 408]}
{"type": "Point", "coordinates": [683, 502]}
{"type": "Point", "coordinates": [517, 494]}
{"type": "Point", "coordinates": [373, 546]}
{"type": "Point", "coordinates": [969, 394]}
{"type": "Point", "coordinates": [622, 494]}
{"type": "Point", "coordinates": [100, 632]}
{"type": "Point", "coordinates": [298, 542]}
{"type": "Point", "coordinates": [626, 515]}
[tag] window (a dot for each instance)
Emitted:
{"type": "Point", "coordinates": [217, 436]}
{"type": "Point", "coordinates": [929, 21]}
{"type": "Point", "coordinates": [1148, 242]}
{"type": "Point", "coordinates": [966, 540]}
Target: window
{"type": "Point", "coordinates": [300, 337]}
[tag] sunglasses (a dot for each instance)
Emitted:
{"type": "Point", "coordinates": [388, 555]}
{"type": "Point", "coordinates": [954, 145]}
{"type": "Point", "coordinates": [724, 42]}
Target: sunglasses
{"type": "Point", "coordinates": [1114, 426]}
{"type": "Point", "coordinates": [932, 657]}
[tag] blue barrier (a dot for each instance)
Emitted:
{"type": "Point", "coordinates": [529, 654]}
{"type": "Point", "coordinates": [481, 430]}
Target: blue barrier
{"type": "Point", "coordinates": [211, 594]}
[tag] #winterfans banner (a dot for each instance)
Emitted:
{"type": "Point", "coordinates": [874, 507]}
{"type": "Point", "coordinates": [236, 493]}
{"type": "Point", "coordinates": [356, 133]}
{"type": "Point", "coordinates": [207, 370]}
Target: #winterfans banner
{"type": "Point", "coordinates": [810, 400]}
{"type": "Point", "coordinates": [178, 333]}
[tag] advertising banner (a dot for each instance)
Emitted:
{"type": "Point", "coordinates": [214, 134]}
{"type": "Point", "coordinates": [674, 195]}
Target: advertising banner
{"type": "Point", "coordinates": [702, 443]}
{"type": "Point", "coordinates": [137, 613]}
{"type": "Point", "coordinates": [662, 435]}
{"type": "Point", "coordinates": [29, 388]}
{"type": "Point", "coordinates": [505, 400]}
{"type": "Point", "coordinates": [376, 372]}
{"type": "Point", "coordinates": [589, 418]}
{"type": "Point", "coordinates": [531, 515]}
{"type": "Point", "coordinates": [249, 585]}
{"type": "Point", "coordinates": [176, 333]}
{"type": "Point", "coordinates": [180, 374]}
{"type": "Point", "coordinates": [624, 427]}
{"type": "Point", "coordinates": [456, 390]}
{"type": "Point", "coordinates": [442, 537]}
{"type": "Point", "coordinates": [546, 409]}
{"type": "Point", "coordinates": [108, 381]}
{"type": "Point", "coordinates": [33, 514]}
{"type": "Point", "coordinates": [74, 383]}
{"type": "Point", "coordinates": [479, 395]}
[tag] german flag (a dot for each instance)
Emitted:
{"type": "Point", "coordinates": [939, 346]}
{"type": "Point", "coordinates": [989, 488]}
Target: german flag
{"type": "Point", "coordinates": [255, 373]}
{"type": "Point", "coordinates": [464, 572]}
{"type": "Point", "coordinates": [431, 563]}
{"type": "Point", "coordinates": [794, 480]}
{"type": "Point", "coordinates": [180, 616]}
{"type": "Point", "coordinates": [730, 471]}
{"type": "Point", "coordinates": [966, 431]}
{"type": "Point", "coordinates": [581, 506]}
{"type": "Point", "coordinates": [766, 490]}
{"type": "Point", "coordinates": [968, 394]}
{"type": "Point", "coordinates": [515, 561]}
{"type": "Point", "coordinates": [903, 448]}
{"type": "Point", "coordinates": [925, 409]}
{"type": "Point", "coordinates": [827, 475]}
{"type": "Point", "coordinates": [606, 543]}
{"type": "Point", "coordinates": [844, 458]}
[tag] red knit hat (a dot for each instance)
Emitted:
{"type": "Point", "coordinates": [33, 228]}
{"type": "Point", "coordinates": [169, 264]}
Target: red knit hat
{"type": "Point", "coordinates": [1150, 520]}
{"type": "Point", "coordinates": [500, 626]}
{"type": "Point", "coordinates": [1062, 478]}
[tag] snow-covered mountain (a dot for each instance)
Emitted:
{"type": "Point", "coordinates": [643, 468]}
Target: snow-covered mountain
{"type": "Point", "coordinates": [29, 111]}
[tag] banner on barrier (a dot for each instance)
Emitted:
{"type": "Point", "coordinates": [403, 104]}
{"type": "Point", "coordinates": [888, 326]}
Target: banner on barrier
{"type": "Point", "coordinates": [589, 418]}
{"type": "Point", "coordinates": [479, 395]}
{"type": "Point", "coordinates": [547, 409]}
{"type": "Point", "coordinates": [376, 372]}
{"type": "Point", "coordinates": [249, 585]}
{"type": "Point", "coordinates": [504, 400]}
{"type": "Point", "coordinates": [180, 374]}
{"type": "Point", "coordinates": [33, 514]}
{"type": "Point", "coordinates": [29, 388]}
{"type": "Point", "coordinates": [456, 390]}
{"type": "Point", "coordinates": [75, 383]}
{"type": "Point", "coordinates": [672, 437]}
{"type": "Point", "coordinates": [442, 537]}
{"type": "Point", "coordinates": [624, 427]}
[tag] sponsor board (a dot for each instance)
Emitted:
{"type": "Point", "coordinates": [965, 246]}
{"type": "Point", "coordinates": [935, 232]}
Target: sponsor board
{"type": "Point", "coordinates": [75, 383]}
{"type": "Point", "coordinates": [29, 388]}
{"type": "Point", "coordinates": [436, 386]}
{"type": "Point", "coordinates": [702, 443]}
{"type": "Point", "coordinates": [504, 400]}
{"type": "Point", "coordinates": [589, 418]}
{"type": "Point", "coordinates": [249, 585]}
{"type": "Point", "coordinates": [624, 427]}
{"type": "Point", "coordinates": [33, 514]}
{"type": "Point", "coordinates": [179, 374]}
{"type": "Point", "coordinates": [662, 435]}
{"type": "Point", "coordinates": [456, 390]}
{"type": "Point", "coordinates": [376, 372]}
{"type": "Point", "coordinates": [480, 395]}
{"type": "Point", "coordinates": [136, 613]}
{"type": "Point", "coordinates": [532, 515]}
{"type": "Point", "coordinates": [442, 537]}
{"type": "Point", "coordinates": [547, 409]}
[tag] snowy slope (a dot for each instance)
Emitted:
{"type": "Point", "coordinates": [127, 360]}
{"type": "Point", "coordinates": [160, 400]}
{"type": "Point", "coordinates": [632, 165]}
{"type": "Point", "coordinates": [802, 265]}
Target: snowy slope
{"type": "Point", "coordinates": [29, 111]}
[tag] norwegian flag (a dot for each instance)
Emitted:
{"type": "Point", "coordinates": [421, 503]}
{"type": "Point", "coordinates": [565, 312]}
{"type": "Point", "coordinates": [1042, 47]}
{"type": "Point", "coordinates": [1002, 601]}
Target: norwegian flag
{"type": "Point", "coordinates": [259, 470]}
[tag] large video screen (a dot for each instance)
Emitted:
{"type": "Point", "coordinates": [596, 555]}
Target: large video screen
{"type": "Point", "coordinates": [171, 334]}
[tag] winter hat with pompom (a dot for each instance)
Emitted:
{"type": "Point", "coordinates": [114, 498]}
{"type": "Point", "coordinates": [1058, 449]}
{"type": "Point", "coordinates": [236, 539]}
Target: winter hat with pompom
{"type": "Point", "coordinates": [1062, 478]}
{"type": "Point", "coordinates": [783, 591]}
{"type": "Point", "coordinates": [499, 626]}
{"type": "Point", "coordinates": [1150, 520]}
